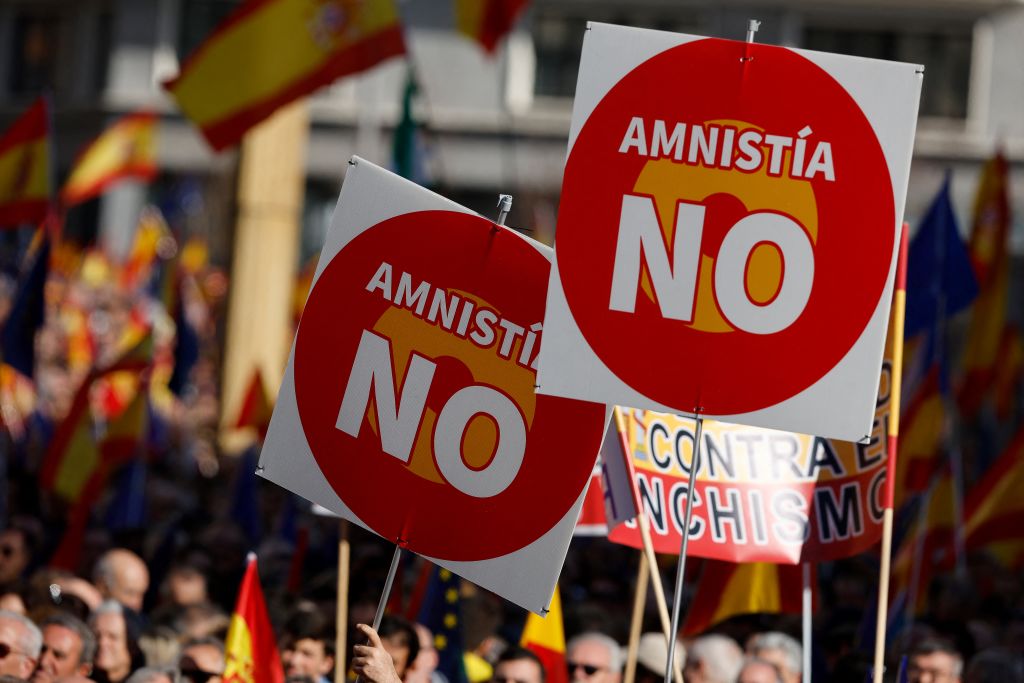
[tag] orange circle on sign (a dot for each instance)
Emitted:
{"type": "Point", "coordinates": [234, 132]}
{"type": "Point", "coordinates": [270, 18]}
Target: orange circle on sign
{"type": "Point", "coordinates": [462, 259]}
{"type": "Point", "coordinates": [705, 364]}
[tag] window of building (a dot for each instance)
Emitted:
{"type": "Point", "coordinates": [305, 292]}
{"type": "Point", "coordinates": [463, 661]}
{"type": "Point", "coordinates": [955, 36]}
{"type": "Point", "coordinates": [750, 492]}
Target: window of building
{"type": "Point", "coordinates": [35, 45]}
{"type": "Point", "coordinates": [198, 19]}
{"type": "Point", "coordinates": [558, 41]}
{"type": "Point", "coordinates": [945, 54]}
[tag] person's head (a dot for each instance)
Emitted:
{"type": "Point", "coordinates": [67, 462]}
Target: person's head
{"type": "Point", "coordinates": [759, 671]}
{"type": "Point", "coordinates": [308, 648]}
{"type": "Point", "coordinates": [427, 658]}
{"type": "Point", "coordinates": [652, 655]}
{"type": "Point", "coordinates": [68, 649]}
{"type": "Point", "coordinates": [17, 546]}
{"type": "Point", "coordinates": [594, 658]}
{"type": "Point", "coordinates": [400, 640]}
{"type": "Point", "coordinates": [201, 661]}
{"type": "Point", "coordinates": [20, 643]}
{"type": "Point", "coordinates": [994, 666]}
{"type": "Point", "coordinates": [122, 575]}
{"type": "Point", "coordinates": [113, 654]}
{"type": "Point", "coordinates": [518, 665]}
{"type": "Point", "coordinates": [186, 584]}
{"type": "Point", "coordinates": [713, 659]}
{"type": "Point", "coordinates": [781, 650]}
{"type": "Point", "coordinates": [154, 674]}
{"type": "Point", "coordinates": [934, 660]}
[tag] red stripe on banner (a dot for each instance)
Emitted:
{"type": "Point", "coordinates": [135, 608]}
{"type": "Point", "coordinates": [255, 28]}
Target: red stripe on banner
{"type": "Point", "coordinates": [362, 55]}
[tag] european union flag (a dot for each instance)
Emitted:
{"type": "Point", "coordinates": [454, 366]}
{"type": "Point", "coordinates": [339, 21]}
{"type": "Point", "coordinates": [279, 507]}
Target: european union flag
{"type": "Point", "coordinates": [441, 613]}
{"type": "Point", "coordinates": [18, 338]}
{"type": "Point", "coordinates": [940, 278]}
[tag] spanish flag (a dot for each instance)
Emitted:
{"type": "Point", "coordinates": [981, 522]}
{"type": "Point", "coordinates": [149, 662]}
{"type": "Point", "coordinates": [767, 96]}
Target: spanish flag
{"type": "Point", "coordinates": [487, 21]}
{"type": "Point", "coordinates": [125, 150]}
{"type": "Point", "coordinates": [250, 651]}
{"type": "Point", "coordinates": [545, 637]}
{"type": "Point", "coordinates": [270, 52]}
{"type": "Point", "coordinates": [994, 509]}
{"type": "Point", "coordinates": [922, 438]}
{"type": "Point", "coordinates": [726, 590]}
{"type": "Point", "coordinates": [150, 232]}
{"type": "Point", "coordinates": [928, 549]}
{"type": "Point", "coordinates": [25, 167]}
{"type": "Point", "coordinates": [989, 247]}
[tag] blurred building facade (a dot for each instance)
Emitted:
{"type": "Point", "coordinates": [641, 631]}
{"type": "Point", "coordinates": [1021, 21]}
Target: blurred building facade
{"type": "Point", "coordinates": [490, 123]}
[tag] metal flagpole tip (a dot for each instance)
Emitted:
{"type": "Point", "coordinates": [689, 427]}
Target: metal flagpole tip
{"type": "Point", "coordinates": [752, 26]}
{"type": "Point", "coordinates": [504, 206]}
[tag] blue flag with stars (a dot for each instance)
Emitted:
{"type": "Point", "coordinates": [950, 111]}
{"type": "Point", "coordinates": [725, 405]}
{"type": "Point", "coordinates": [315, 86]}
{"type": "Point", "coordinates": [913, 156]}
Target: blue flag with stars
{"type": "Point", "coordinates": [441, 612]}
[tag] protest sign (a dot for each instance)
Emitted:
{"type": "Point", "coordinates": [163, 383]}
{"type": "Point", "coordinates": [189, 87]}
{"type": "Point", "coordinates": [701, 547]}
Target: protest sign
{"type": "Point", "coordinates": [408, 403]}
{"type": "Point", "coordinates": [736, 206]}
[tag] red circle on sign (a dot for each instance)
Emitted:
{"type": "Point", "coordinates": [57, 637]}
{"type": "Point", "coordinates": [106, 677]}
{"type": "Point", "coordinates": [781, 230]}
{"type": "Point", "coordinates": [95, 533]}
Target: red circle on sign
{"type": "Point", "coordinates": [780, 92]}
{"type": "Point", "coordinates": [465, 255]}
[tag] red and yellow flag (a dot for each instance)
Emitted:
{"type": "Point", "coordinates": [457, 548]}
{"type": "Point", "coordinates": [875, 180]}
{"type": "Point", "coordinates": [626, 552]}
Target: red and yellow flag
{"type": "Point", "coordinates": [487, 21]}
{"type": "Point", "coordinates": [250, 651]}
{"type": "Point", "coordinates": [727, 590]}
{"type": "Point", "coordinates": [930, 546]}
{"type": "Point", "coordinates": [994, 509]}
{"type": "Point", "coordinates": [921, 438]}
{"type": "Point", "coordinates": [256, 407]}
{"type": "Point", "coordinates": [545, 637]}
{"type": "Point", "coordinates": [127, 149]}
{"type": "Point", "coordinates": [270, 52]}
{"type": "Point", "coordinates": [25, 167]}
{"type": "Point", "coordinates": [990, 257]}
{"type": "Point", "coordinates": [150, 232]}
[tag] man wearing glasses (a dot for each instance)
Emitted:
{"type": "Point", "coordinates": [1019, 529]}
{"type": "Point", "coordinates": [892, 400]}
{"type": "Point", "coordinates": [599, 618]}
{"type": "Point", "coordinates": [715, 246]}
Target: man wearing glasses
{"type": "Point", "coordinates": [935, 661]}
{"type": "Point", "coordinates": [594, 658]}
{"type": "Point", "coordinates": [20, 643]}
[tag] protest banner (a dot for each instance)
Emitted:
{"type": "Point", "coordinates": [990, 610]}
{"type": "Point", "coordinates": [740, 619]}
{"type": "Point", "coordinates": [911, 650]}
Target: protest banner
{"type": "Point", "coordinates": [408, 403]}
{"type": "Point", "coordinates": [761, 495]}
{"type": "Point", "coordinates": [720, 200]}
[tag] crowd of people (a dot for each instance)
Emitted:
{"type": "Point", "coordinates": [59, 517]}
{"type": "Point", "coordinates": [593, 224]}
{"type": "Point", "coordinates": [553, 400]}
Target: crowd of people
{"type": "Point", "coordinates": [146, 595]}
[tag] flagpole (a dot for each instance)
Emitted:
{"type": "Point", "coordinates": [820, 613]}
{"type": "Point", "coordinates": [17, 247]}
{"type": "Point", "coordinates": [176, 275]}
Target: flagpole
{"type": "Point", "coordinates": [382, 605]}
{"type": "Point", "coordinates": [806, 606]}
{"type": "Point", "coordinates": [636, 620]}
{"type": "Point", "coordinates": [341, 615]}
{"type": "Point", "coordinates": [677, 598]}
{"type": "Point", "coordinates": [644, 524]}
{"type": "Point", "coordinates": [893, 441]}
